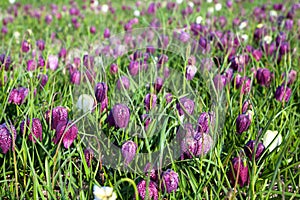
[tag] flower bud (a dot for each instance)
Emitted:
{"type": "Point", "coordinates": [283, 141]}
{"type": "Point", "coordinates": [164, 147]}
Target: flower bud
{"type": "Point", "coordinates": [88, 155]}
{"type": "Point", "coordinates": [150, 101]}
{"type": "Point", "coordinates": [36, 129]}
{"type": "Point", "coordinates": [66, 132]}
{"type": "Point", "coordinates": [170, 181]}
{"type": "Point", "coordinates": [239, 172]}
{"type": "Point", "coordinates": [283, 93]}
{"type": "Point", "coordinates": [101, 91]}
{"type": "Point", "coordinates": [250, 149]}
{"type": "Point", "coordinates": [243, 123]}
{"type": "Point", "coordinates": [6, 137]}
{"type": "Point", "coordinates": [128, 151]}
{"type": "Point", "coordinates": [119, 116]}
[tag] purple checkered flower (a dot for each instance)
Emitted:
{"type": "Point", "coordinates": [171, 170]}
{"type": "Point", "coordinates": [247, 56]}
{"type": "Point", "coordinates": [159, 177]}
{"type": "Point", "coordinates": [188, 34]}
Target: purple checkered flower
{"type": "Point", "coordinates": [243, 123]}
{"type": "Point", "coordinates": [119, 116]}
{"type": "Point", "coordinates": [152, 190]}
{"type": "Point", "coordinates": [36, 129]}
{"type": "Point", "coordinates": [129, 151]}
{"type": "Point", "coordinates": [150, 101]}
{"type": "Point", "coordinates": [58, 114]}
{"type": "Point", "coordinates": [88, 155]}
{"type": "Point", "coordinates": [185, 105]}
{"type": "Point", "coordinates": [283, 93]}
{"type": "Point", "coordinates": [67, 132]}
{"type": "Point", "coordinates": [123, 82]}
{"type": "Point", "coordinates": [6, 137]}
{"type": "Point", "coordinates": [17, 96]}
{"type": "Point", "coordinates": [239, 172]}
{"type": "Point", "coordinates": [250, 148]}
{"type": "Point", "coordinates": [170, 181]}
{"type": "Point", "coordinates": [264, 77]}
{"type": "Point", "coordinates": [101, 92]}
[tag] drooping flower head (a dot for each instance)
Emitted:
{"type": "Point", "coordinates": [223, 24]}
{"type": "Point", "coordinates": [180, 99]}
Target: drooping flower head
{"type": "Point", "coordinates": [243, 122]}
{"type": "Point", "coordinates": [119, 116]}
{"type": "Point", "coordinates": [36, 129]}
{"type": "Point", "coordinates": [58, 114]}
{"type": "Point", "coordinates": [6, 137]}
{"type": "Point", "coordinates": [152, 190]}
{"type": "Point", "coordinates": [170, 181]}
{"type": "Point", "coordinates": [250, 149]}
{"type": "Point", "coordinates": [128, 151]}
{"type": "Point", "coordinates": [17, 96]}
{"type": "Point", "coordinates": [67, 131]}
{"type": "Point", "coordinates": [239, 172]}
{"type": "Point", "coordinates": [101, 91]}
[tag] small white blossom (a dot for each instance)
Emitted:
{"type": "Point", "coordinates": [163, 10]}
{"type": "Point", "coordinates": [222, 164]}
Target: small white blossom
{"type": "Point", "coordinates": [272, 136]}
{"type": "Point", "coordinates": [243, 25]}
{"type": "Point", "coordinates": [245, 37]}
{"type": "Point", "coordinates": [191, 4]}
{"type": "Point", "coordinates": [208, 1]}
{"type": "Point", "coordinates": [104, 193]}
{"type": "Point", "coordinates": [104, 8]}
{"type": "Point", "coordinates": [211, 10]}
{"type": "Point", "coordinates": [199, 20]}
{"type": "Point", "coordinates": [179, 1]}
{"type": "Point", "coordinates": [218, 7]}
{"type": "Point", "coordinates": [267, 39]}
{"type": "Point", "coordinates": [273, 13]}
{"type": "Point", "coordinates": [136, 13]}
{"type": "Point", "coordinates": [12, 1]}
{"type": "Point", "coordinates": [85, 102]}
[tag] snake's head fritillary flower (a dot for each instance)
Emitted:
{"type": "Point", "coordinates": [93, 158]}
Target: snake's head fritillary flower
{"type": "Point", "coordinates": [170, 181]}
{"type": "Point", "coordinates": [25, 46]}
{"type": "Point", "coordinates": [150, 101]}
{"type": "Point", "coordinates": [283, 93]}
{"type": "Point", "coordinates": [239, 172]}
{"type": "Point", "coordinates": [92, 29]}
{"type": "Point", "coordinates": [17, 96]}
{"type": "Point", "coordinates": [31, 65]}
{"type": "Point", "coordinates": [85, 103]}
{"type": "Point", "coordinates": [205, 120]}
{"type": "Point", "coordinates": [134, 67]}
{"type": "Point", "coordinates": [5, 61]}
{"type": "Point", "coordinates": [67, 131]}
{"type": "Point", "coordinates": [119, 116]}
{"type": "Point", "coordinates": [43, 78]}
{"type": "Point", "coordinates": [204, 144]}
{"type": "Point", "coordinates": [40, 44]}
{"type": "Point", "coordinates": [250, 149]}
{"type": "Point", "coordinates": [6, 137]}
{"type": "Point", "coordinates": [113, 68]}
{"type": "Point", "coordinates": [158, 84]}
{"type": "Point", "coordinates": [152, 190]}
{"type": "Point", "coordinates": [272, 139]}
{"type": "Point", "coordinates": [106, 33]}
{"type": "Point", "coordinates": [36, 129]}
{"type": "Point", "coordinates": [123, 83]}
{"type": "Point", "coordinates": [257, 54]}
{"type": "Point", "coordinates": [101, 91]}
{"type": "Point", "coordinates": [52, 62]}
{"type": "Point", "coordinates": [291, 77]}
{"type": "Point", "coordinates": [104, 193]}
{"type": "Point", "coordinates": [57, 115]}
{"type": "Point", "coordinates": [169, 98]}
{"type": "Point", "coordinates": [75, 77]}
{"type": "Point", "coordinates": [243, 122]}
{"type": "Point", "coordinates": [190, 72]}
{"type": "Point", "coordinates": [185, 105]}
{"type": "Point", "coordinates": [220, 82]}
{"type": "Point", "coordinates": [246, 106]}
{"type": "Point", "coordinates": [129, 151]}
{"type": "Point", "coordinates": [146, 120]}
{"type": "Point", "coordinates": [88, 155]}
{"type": "Point", "coordinates": [264, 77]}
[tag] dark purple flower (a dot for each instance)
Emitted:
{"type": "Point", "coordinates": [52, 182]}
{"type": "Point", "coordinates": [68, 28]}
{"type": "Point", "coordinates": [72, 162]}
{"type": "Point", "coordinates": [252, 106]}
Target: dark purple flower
{"type": "Point", "coordinates": [283, 93]}
{"type": "Point", "coordinates": [158, 84]}
{"type": "Point", "coordinates": [284, 48]}
{"type": "Point", "coordinates": [289, 24]}
{"type": "Point", "coordinates": [25, 46]}
{"type": "Point", "coordinates": [92, 29]}
{"type": "Point", "coordinates": [169, 97]}
{"type": "Point", "coordinates": [190, 72]}
{"type": "Point", "coordinates": [62, 53]}
{"type": "Point", "coordinates": [6, 137]}
{"type": "Point", "coordinates": [36, 129]}
{"type": "Point", "coordinates": [152, 8]}
{"type": "Point", "coordinates": [101, 91]}
{"type": "Point", "coordinates": [5, 60]}
{"type": "Point", "coordinates": [150, 101]}
{"type": "Point", "coordinates": [243, 122]}
{"type": "Point", "coordinates": [58, 114]}
{"type": "Point", "coordinates": [128, 151]}
{"type": "Point", "coordinates": [43, 79]}
{"type": "Point", "coordinates": [134, 67]}
{"type": "Point", "coordinates": [150, 171]}
{"type": "Point", "coordinates": [119, 116]}
{"type": "Point", "coordinates": [106, 33]}
{"type": "Point", "coordinates": [41, 45]}
{"type": "Point", "coordinates": [205, 120]}
{"type": "Point", "coordinates": [152, 190]}
{"type": "Point", "coordinates": [88, 155]}
{"type": "Point", "coordinates": [123, 82]}
{"type": "Point", "coordinates": [219, 82]}
{"type": "Point", "coordinates": [31, 65]}
{"type": "Point", "coordinates": [113, 68]}
{"type": "Point", "coordinates": [67, 131]}
{"type": "Point", "coordinates": [170, 181]}
{"type": "Point", "coordinates": [41, 61]}
{"type": "Point", "coordinates": [52, 62]}
{"type": "Point", "coordinates": [150, 49]}
{"type": "Point", "coordinates": [75, 77]}
{"type": "Point", "coordinates": [17, 96]}
{"type": "Point", "coordinates": [239, 172]}
{"type": "Point", "coordinates": [264, 77]}
{"type": "Point", "coordinates": [185, 105]}
{"type": "Point", "coordinates": [146, 120]}
{"type": "Point", "coordinates": [250, 148]}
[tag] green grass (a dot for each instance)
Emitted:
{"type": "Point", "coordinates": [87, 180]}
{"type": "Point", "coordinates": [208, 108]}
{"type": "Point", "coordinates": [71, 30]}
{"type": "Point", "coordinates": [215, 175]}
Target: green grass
{"type": "Point", "coordinates": [47, 171]}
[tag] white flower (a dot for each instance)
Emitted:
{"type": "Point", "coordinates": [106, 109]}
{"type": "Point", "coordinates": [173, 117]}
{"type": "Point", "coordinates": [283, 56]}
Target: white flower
{"type": "Point", "coordinates": [85, 102]}
{"type": "Point", "coordinates": [243, 25]}
{"type": "Point", "coordinates": [210, 9]}
{"type": "Point", "coordinates": [245, 37]}
{"type": "Point", "coordinates": [273, 13]}
{"type": "Point", "coordinates": [272, 136]}
{"type": "Point", "coordinates": [136, 13]}
{"type": "Point", "coordinates": [208, 1]}
{"type": "Point", "coordinates": [104, 8]}
{"type": "Point", "coordinates": [250, 113]}
{"type": "Point", "coordinates": [267, 39]}
{"type": "Point", "coordinates": [104, 193]}
{"type": "Point", "coordinates": [191, 4]}
{"type": "Point", "coordinates": [179, 1]}
{"type": "Point", "coordinates": [259, 25]}
{"type": "Point", "coordinates": [199, 20]}
{"type": "Point", "coordinates": [95, 4]}
{"type": "Point", "coordinates": [12, 1]}
{"type": "Point", "coordinates": [218, 7]}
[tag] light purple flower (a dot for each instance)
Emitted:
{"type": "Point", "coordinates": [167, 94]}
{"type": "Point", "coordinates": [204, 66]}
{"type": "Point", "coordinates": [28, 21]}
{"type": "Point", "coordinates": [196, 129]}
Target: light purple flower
{"type": "Point", "coordinates": [191, 71]}
{"type": "Point", "coordinates": [52, 62]}
{"type": "Point", "coordinates": [150, 101]}
{"type": "Point", "coordinates": [170, 181]}
{"type": "Point", "coordinates": [119, 116]}
{"type": "Point", "coordinates": [123, 82]}
{"type": "Point", "coordinates": [66, 132]}
{"type": "Point", "coordinates": [283, 93]}
{"type": "Point", "coordinates": [185, 105]}
{"type": "Point", "coordinates": [17, 96]}
{"type": "Point", "coordinates": [128, 151]}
